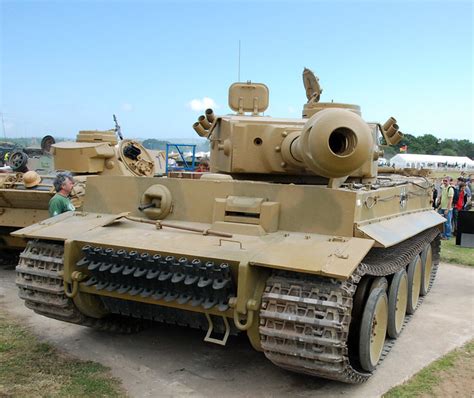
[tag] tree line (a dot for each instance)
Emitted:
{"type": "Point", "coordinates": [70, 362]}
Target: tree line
{"type": "Point", "coordinates": [428, 144]}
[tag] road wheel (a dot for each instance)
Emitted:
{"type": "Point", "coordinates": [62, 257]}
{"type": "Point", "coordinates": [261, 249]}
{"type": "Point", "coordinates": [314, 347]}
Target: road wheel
{"type": "Point", "coordinates": [373, 329]}
{"type": "Point", "coordinates": [426, 269]}
{"type": "Point", "coordinates": [18, 161]}
{"type": "Point", "coordinates": [414, 284]}
{"type": "Point", "coordinates": [397, 303]}
{"type": "Point", "coordinates": [360, 297]}
{"type": "Point", "coordinates": [379, 282]}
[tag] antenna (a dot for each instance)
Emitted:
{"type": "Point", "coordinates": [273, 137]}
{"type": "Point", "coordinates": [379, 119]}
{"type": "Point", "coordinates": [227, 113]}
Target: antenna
{"type": "Point", "coordinates": [3, 124]}
{"type": "Point", "coordinates": [118, 130]}
{"type": "Point", "coordinates": [239, 64]}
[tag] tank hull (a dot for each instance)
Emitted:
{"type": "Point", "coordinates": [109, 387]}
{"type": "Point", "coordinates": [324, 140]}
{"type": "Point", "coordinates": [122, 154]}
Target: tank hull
{"type": "Point", "coordinates": [226, 271]}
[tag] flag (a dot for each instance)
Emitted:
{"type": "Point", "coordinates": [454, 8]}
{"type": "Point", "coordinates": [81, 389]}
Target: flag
{"type": "Point", "coordinates": [404, 148]}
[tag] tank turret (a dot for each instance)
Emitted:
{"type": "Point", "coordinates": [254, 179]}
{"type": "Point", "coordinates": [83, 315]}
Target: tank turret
{"type": "Point", "coordinates": [100, 152]}
{"type": "Point", "coordinates": [330, 141]}
{"type": "Point", "coordinates": [24, 197]}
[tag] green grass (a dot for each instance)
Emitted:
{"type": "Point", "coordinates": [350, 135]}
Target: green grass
{"type": "Point", "coordinates": [425, 381]}
{"type": "Point", "coordinates": [454, 174]}
{"type": "Point", "coordinates": [450, 253]}
{"type": "Point", "coordinates": [31, 368]}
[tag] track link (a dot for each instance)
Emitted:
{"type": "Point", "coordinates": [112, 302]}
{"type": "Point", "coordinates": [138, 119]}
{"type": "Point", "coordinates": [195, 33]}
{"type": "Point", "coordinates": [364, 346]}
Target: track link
{"type": "Point", "coordinates": [305, 319]}
{"type": "Point", "coordinates": [40, 282]}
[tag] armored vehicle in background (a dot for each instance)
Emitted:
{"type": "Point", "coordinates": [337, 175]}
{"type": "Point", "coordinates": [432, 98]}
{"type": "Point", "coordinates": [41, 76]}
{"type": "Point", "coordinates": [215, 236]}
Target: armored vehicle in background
{"type": "Point", "coordinates": [292, 237]}
{"type": "Point", "coordinates": [30, 158]}
{"type": "Point", "coordinates": [5, 149]}
{"type": "Point", "coordinates": [23, 203]}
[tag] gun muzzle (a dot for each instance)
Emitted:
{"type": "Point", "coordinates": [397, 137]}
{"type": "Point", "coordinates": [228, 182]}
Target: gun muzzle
{"type": "Point", "coordinates": [210, 115]}
{"type": "Point", "coordinates": [333, 143]}
{"type": "Point", "coordinates": [200, 130]}
{"type": "Point", "coordinates": [204, 122]}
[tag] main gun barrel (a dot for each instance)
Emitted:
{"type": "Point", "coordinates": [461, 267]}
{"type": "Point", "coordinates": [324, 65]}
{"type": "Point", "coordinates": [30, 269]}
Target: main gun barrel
{"type": "Point", "coordinates": [333, 143]}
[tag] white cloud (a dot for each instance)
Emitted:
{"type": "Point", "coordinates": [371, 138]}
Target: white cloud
{"type": "Point", "coordinates": [202, 104]}
{"type": "Point", "coordinates": [127, 107]}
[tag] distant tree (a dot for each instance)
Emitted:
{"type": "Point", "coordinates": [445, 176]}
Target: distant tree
{"type": "Point", "coordinates": [448, 144]}
{"type": "Point", "coordinates": [428, 143]}
{"type": "Point", "coordinates": [448, 152]}
{"type": "Point", "coordinates": [466, 148]}
{"type": "Point", "coordinates": [412, 144]}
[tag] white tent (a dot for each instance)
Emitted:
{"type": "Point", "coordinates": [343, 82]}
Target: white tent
{"type": "Point", "coordinates": [416, 161]}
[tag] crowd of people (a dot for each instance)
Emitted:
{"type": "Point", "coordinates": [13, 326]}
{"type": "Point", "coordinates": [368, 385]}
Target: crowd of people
{"type": "Point", "coordinates": [449, 198]}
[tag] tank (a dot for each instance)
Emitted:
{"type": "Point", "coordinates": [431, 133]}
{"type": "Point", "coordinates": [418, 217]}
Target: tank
{"type": "Point", "coordinates": [24, 202]}
{"type": "Point", "coordinates": [6, 148]}
{"type": "Point", "coordinates": [21, 160]}
{"type": "Point", "coordinates": [292, 238]}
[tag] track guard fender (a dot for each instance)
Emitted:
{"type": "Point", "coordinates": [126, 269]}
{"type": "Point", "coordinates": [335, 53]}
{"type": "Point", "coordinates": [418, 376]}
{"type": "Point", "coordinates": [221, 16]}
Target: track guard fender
{"type": "Point", "coordinates": [250, 286]}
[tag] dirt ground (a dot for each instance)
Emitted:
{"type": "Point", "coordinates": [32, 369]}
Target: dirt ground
{"type": "Point", "coordinates": [170, 361]}
{"type": "Point", "coordinates": [457, 381]}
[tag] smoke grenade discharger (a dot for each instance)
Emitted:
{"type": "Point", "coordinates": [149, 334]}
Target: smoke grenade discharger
{"type": "Point", "coordinates": [391, 132]}
{"type": "Point", "coordinates": [204, 123]}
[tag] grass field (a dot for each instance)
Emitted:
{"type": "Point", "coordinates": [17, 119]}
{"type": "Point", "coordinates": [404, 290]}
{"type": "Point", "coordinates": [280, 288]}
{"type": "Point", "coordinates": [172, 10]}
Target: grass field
{"type": "Point", "coordinates": [452, 373]}
{"type": "Point", "coordinates": [29, 368]}
{"type": "Point", "coordinates": [450, 253]}
{"type": "Point", "coordinates": [449, 376]}
{"type": "Point", "coordinates": [441, 173]}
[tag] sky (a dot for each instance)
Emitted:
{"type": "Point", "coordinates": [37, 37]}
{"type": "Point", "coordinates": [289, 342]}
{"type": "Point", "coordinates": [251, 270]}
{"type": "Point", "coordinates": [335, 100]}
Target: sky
{"type": "Point", "coordinates": [67, 66]}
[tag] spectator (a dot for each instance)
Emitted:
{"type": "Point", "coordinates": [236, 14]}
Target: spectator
{"type": "Point", "coordinates": [462, 180]}
{"type": "Point", "coordinates": [446, 206]}
{"type": "Point", "coordinates": [60, 203]}
{"type": "Point", "coordinates": [468, 192]}
{"type": "Point", "coordinates": [203, 166]}
{"type": "Point", "coordinates": [459, 204]}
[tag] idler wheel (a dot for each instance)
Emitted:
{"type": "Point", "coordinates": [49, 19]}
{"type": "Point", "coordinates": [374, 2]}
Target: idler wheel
{"type": "Point", "coordinates": [414, 284]}
{"type": "Point", "coordinates": [373, 329]}
{"type": "Point", "coordinates": [397, 303]}
{"type": "Point", "coordinates": [426, 269]}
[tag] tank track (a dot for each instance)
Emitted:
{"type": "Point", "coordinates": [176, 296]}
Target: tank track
{"type": "Point", "coordinates": [40, 282]}
{"type": "Point", "coordinates": [305, 319]}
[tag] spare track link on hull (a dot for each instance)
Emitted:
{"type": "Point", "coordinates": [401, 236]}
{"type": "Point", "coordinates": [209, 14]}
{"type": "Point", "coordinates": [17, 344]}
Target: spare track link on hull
{"type": "Point", "coordinates": [305, 319]}
{"type": "Point", "coordinates": [192, 281]}
{"type": "Point", "coordinates": [40, 282]}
